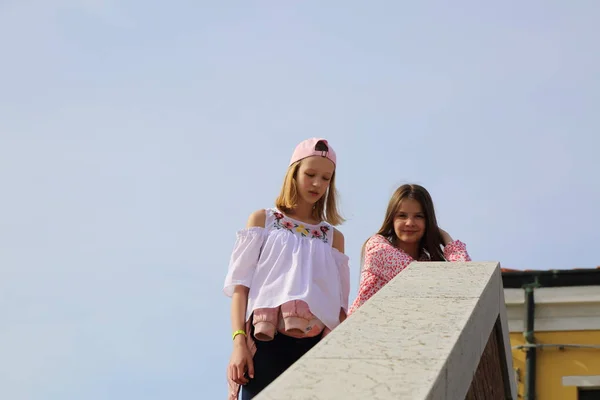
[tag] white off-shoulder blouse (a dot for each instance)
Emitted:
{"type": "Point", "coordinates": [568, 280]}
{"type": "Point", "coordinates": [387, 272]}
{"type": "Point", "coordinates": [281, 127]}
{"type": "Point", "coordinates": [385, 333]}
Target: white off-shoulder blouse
{"type": "Point", "coordinates": [290, 260]}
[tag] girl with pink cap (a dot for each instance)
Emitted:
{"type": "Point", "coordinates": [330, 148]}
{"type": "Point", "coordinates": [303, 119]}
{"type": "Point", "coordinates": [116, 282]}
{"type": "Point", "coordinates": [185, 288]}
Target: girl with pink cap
{"type": "Point", "coordinates": [288, 275]}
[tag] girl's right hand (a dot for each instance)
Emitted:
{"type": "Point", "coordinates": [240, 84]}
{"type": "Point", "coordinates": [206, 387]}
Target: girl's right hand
{"type": "Point", "coordinates": [240, 362]}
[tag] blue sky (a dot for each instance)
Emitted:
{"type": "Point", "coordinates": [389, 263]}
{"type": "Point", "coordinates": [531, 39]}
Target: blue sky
{"type": "Point", "coordinates": [136, 138]}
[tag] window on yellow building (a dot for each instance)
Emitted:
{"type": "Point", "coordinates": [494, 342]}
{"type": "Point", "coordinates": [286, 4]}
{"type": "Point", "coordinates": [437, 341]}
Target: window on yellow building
{"type": "Point", "coordinates": [588, 394]}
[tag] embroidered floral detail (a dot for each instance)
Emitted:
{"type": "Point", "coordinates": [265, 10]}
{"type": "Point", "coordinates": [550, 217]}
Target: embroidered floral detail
{"type": "Point", "coordinates": [323, 236]}
{"type": "Point", "coordinates": [302, 230]}
{"type": "Point", "coordinates": [281, 222]}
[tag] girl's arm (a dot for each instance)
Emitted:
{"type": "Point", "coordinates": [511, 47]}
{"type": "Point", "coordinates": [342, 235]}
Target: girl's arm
{"type": "Point", "coordinates": [382, 263]}
{"type": "Point", "coordinates": [239, 300]}
{"type": "Point", "coordinates": [370, 283]}
{"type": "Point", "coordinates": [371, 277]}
{"type": "Point", "coordinates": [338, 244]}
{"type": "Point", "coordinates": [454, 250]}
{"type": "Point", "coordinates": [241, 359]}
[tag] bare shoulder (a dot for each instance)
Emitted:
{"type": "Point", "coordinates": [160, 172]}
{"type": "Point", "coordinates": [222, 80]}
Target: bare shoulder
{"type": "Point", "coordinates": [338, 240]}
{"type": "Point", "coordinates": [257, 218]}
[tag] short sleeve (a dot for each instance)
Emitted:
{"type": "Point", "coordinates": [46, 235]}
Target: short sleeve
{"type": "Point", "coordinates": [456, 251]}
{"type": "Point", "coordinates": [342, 263]}
{"type": "Point", "coordinates": [244, 258]}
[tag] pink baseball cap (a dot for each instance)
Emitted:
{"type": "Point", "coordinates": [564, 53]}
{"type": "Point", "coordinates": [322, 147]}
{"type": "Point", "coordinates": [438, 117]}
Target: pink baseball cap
{"type": "Point", "coordinates": [307, 148]}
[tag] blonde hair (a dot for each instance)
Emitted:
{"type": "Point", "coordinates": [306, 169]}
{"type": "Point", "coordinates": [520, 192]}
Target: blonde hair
{"type": "Point", "coordinates": [326, 209]}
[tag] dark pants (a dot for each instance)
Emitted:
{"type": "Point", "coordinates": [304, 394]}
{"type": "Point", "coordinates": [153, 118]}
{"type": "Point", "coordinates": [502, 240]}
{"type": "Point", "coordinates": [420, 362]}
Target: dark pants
{"type": "Point", "coordinates": [274, 357]}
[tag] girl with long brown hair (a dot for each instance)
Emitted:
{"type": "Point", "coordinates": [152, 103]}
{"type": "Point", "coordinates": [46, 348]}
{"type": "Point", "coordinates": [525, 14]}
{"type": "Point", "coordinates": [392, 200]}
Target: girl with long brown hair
{"type": "Point", "coordinates": [409, 233]}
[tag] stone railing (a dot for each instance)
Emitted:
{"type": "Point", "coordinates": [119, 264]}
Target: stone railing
{"type": "Point", "coordinates": [436, 331]}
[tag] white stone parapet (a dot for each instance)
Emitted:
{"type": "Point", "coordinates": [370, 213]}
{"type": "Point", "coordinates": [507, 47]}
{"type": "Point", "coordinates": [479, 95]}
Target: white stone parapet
{"type": "Point", "coordinates": [420, 337]}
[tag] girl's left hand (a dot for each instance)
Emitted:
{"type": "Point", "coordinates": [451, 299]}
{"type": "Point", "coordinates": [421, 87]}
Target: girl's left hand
{"type": "Point", "coordinates": [446, 238]}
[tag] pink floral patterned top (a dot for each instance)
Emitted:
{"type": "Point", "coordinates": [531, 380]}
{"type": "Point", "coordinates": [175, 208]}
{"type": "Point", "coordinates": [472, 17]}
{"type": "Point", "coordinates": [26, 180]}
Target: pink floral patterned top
{"type": "Point", "coordinates": [383, 262]}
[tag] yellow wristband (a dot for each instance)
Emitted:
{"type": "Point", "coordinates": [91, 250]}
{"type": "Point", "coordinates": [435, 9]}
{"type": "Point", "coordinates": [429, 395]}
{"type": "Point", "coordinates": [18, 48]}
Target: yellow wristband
{"type": "Point", "coordinates": [238, 332]}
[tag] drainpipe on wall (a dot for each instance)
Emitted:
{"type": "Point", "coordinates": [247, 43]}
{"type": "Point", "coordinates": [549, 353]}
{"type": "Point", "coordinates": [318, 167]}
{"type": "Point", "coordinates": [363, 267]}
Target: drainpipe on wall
{"type": "Point", "coordinates": [531, 351]}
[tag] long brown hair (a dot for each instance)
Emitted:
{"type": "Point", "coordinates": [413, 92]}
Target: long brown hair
{"type": "Point", "coordinates": [326, 209]}
{"type": "Point", "coordinates": [431, 242]}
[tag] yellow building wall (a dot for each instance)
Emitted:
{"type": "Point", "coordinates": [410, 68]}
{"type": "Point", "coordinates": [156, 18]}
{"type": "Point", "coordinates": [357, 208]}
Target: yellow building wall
{"type": "Point", "coordinates": [553, 364]}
